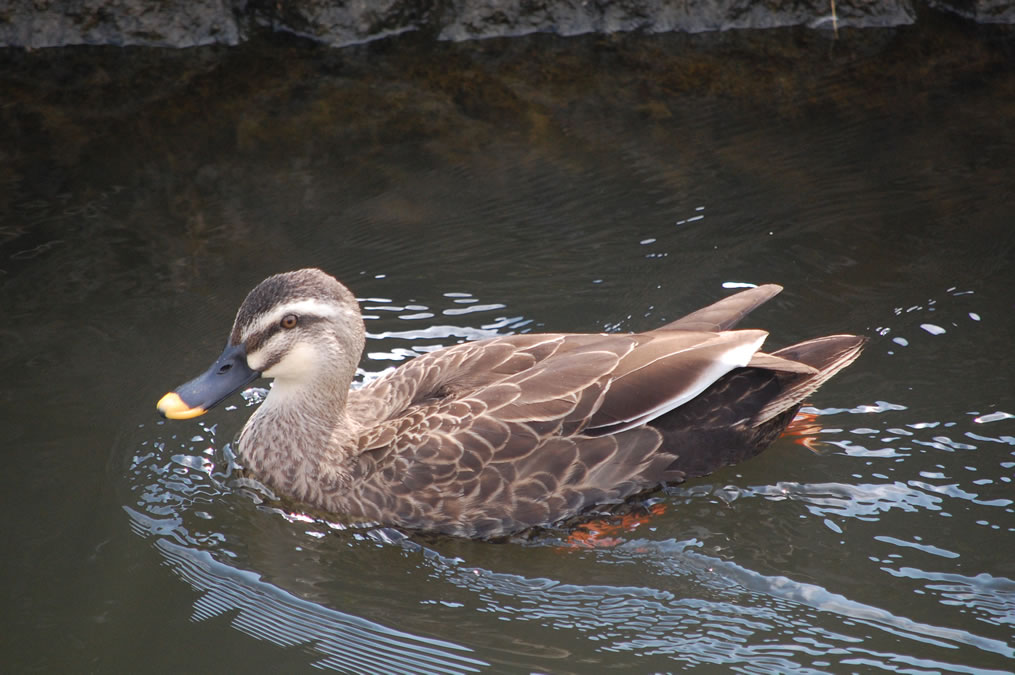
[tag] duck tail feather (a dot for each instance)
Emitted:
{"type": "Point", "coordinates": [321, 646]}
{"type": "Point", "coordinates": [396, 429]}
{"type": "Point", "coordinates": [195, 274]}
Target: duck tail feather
{"type": "Point", "coordinates": [827, 355]}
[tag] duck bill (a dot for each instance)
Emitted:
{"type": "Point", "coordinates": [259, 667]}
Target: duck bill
{"type": "Point", "coordinates": [228, 374]}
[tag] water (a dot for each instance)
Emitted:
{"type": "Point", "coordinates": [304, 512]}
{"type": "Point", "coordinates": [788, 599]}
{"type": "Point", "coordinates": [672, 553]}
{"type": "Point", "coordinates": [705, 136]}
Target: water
{"type": "Point", "coordinates": [471, 190]}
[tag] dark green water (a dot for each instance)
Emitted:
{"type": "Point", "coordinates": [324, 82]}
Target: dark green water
{"type": "Point", "coordinates": [470, 190]}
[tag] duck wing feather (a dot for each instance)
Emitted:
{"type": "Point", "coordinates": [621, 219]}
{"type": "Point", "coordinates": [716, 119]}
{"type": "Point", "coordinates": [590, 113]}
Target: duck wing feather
{"type": "Point", "coordinates": [726, 313]}
{"type": "Point", "coordinates": [668, 369]}
{"type": "Point", "coordinates": [740, 414]}
{"type": "Point", "coordinates": [488, 438]}
{"type": "Point", "coordinates": [519, 431]}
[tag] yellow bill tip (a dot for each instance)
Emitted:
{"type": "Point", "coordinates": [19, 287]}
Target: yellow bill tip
{"type": "Point", "coordinates": [173, 407]}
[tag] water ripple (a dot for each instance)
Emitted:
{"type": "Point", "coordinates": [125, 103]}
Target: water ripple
{"type": "Point", "coordinates": [683, 599]}
{"type": "Point", "coordinates": [863, 501]}
{"type": "Point", "coordinates": [267, 612]}
{"type": "Point", "coordinates": [776, 635]}
{"type": "Point", "coordinates": [993, 597]}
{"type": "Point", "coordinates": [167, 497]}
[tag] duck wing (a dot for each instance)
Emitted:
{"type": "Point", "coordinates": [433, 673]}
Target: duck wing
{"type": "Point", "coordinates": [726, 313]}
{"type": "Point", "coordinates": [564, 431]}
{"type": "Point", "coordinates": [469, 366]}
{"type": "Point", "coordinates": [741, 413]}
{"type": "Point", "coordinates": [463, 369]}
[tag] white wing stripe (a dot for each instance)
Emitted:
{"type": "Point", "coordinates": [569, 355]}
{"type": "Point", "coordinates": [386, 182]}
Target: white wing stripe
{"type": "Point", "coordinates": [736, 356]}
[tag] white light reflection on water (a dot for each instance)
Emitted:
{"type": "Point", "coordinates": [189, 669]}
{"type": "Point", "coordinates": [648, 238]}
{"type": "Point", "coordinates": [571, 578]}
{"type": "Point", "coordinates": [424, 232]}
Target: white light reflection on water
{"type": "Point", "coordinates": [915, 316]}
{"type": "Point", "coordinates": [860, 501]}
{"type": "Point", "coordinates": [692, 608]}
{"type": "Point", "coordinates": [168, 493]}
{"type": "Point", "coordinates": [265, 611]}
{"type": "Point", "coordinates": [436, 336]}
{"type": "Point", "coordinates": [994, 597]}
{"type": "Point", "coordinates": [775, 632]}
{"type": "Point", "coordinates": [993, 417]}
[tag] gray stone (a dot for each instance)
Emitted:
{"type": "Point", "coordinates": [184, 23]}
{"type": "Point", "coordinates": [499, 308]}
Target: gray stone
{"type": "Point", "coordinates": [981, 11]}
{"type": "Point", "coordinates": [341, 23]}
{"type": "Point", "coordinates": [337, 23]}
{"type": "Point", "coordinates": [469, 19]}
{"type": "Point", "coordinates": [165, 23]}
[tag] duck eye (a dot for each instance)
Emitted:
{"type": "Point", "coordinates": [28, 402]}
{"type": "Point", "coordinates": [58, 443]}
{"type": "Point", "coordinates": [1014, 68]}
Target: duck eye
{"type": "Point", "coordinates": [289, 321]}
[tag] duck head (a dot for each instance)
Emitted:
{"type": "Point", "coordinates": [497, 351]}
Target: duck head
{"type": "Point", "coordinates": [301, 328]}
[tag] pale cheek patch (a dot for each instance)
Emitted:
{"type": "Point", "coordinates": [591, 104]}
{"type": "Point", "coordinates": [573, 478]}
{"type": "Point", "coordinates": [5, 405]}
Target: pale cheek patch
{"type": "Point", "coordinates": [299, 363]}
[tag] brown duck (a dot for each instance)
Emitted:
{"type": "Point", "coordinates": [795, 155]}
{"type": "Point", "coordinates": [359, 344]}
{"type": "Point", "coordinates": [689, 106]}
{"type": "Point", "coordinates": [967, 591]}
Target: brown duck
{"type": "Point", "coordinates": [489, 438]}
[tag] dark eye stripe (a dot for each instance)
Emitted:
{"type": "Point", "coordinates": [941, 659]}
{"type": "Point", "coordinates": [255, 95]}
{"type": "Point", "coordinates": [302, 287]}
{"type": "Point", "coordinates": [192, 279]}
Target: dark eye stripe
{"type": "Point", "coordinates": [256, 341]}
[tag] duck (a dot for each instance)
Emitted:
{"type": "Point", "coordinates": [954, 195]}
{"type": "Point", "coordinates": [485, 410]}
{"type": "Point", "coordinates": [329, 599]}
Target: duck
{"type": "Point", "coordinates": [495, 437]}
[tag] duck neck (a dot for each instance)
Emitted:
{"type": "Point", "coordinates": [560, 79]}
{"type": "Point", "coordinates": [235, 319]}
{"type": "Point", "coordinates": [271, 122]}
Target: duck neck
{"type": "Point", "coordinates": [297, 435]}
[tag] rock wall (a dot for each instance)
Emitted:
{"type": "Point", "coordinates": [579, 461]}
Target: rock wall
{"type": "Point", "coordinates": [187, 23]}
{"type": "Point", "coordinates": [168, 23]}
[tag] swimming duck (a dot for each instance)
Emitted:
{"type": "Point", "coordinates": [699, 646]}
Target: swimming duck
{"type": "Point", "coordinates": [493, 437]}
